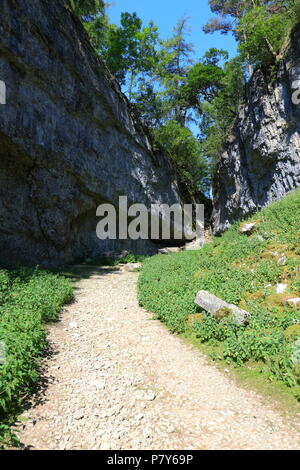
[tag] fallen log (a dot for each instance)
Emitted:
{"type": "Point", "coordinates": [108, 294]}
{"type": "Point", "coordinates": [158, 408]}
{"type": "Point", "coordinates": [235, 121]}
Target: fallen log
{"type": "Point", "coordinates": [220, 309]}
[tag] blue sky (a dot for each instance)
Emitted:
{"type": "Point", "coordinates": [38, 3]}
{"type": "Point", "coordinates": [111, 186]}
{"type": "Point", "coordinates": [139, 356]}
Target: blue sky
{"type": "Point", "coordinates": [165, 14]}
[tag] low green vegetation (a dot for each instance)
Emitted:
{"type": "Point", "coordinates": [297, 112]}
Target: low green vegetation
{"type": "Point", "coordinates": [243, 270]}
{"type": "Point", "coordinates": [29, 298]}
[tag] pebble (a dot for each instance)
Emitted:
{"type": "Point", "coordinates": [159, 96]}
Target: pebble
{"type": "Point", "coordinates": [282, 261]}
{"type": "Point", "coordinates": [281, 288]}
{"type": "Point", "coordinates": [78, 415]}
{"type": "Point", "coordinates": [294, 302]}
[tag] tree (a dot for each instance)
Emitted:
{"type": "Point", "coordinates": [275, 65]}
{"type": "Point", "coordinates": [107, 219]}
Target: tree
{"type": "Point", "coordinates": [175, 62]}
{"type": "Point", "coordinates": [176, 86]}
{"type": "Point", "coordinates": [95, 21]}
{"type": "Point", "coordinates": [229, 13]}
{"type": "Point", "coordinates": [266, 29]}
{"type": "Point", "coordinates": [129, 50]}
{"type": "Point", "coordinates": [204, 79]}
{"type": "Point", "coordinates": [185, 150]}
{"type": "Point", "coordinates": [167, 98]}
{"type": "Point", "coordinates": [149, 99]}
{"type": "Point", "coordinates": [97, 28]}
{"type": "Point", "coordinates": [261, 27]}
{"type": "Point", "coordinates": [87, 8]}
{"type": "Point", "coordinates": [220, 114]}
{"type": "Point", "coordinates": [260, 24]}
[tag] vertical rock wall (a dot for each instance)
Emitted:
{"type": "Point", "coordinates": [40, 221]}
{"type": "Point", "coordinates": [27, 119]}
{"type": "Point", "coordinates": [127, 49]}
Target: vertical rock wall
{"type": "Point", "coordinates": [68, 140]}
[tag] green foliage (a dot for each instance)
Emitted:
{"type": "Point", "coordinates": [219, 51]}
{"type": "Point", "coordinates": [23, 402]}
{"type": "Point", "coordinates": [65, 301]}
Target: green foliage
{"type": "Point", "coordinates": [28, 299]}
{"type": "Point", "coordinates": [219, 115]}
{"type": "Point", "coordinates": [5, 284]}
{"type": "Point", "coordinates": [265, 34]}
{"type": "Point", "coordinates": [95, 21]}
{"type": "Point", "coordinates": [262, 29]}
{"type": "Point", "coordinates": [87, 8]}
{"type": "Point", "coordinates": [229, 13]}
{"type": "Point", "coordinates": [205, 91]}
{"type": "Point", "coordinates": [185, 150]}
{"type": "Point", "coordinates": [234, 267]}
{"type": "Point", "coordinates": [162, 95]}
{"type": "Point", "coordinates": [98, 28]}
{"type": "Point", "coordinates": [260, 26]}
{"type": "Point", "coordinates": [204, 79]}
{"type": "Point", "coordinates": [150, 102]}
{"type": "Point", "coordinates": [174, 64]}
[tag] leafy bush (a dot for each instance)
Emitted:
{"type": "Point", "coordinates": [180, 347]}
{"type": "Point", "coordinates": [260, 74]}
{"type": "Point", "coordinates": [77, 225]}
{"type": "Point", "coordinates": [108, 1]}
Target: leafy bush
{"type": "Point", "coordinates": [244, 271]}
{"type": "Point", "coordinates": [185, 151]}
{"type": "Point", "coordinates": [28, 299]}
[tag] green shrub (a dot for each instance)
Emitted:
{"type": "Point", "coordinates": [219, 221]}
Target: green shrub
{"type": "Point", "coordinates": [5, 284]}
{"type": "Point", "coordinates": [28, 299]}
{"type": "Point", "coordinates": [265, 34]}
{"type": "Point", "coordinates": [185, 150]}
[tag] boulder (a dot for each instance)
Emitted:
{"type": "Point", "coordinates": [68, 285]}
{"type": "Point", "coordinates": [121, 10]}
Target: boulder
{"type": "Point", "coordinates": [2, 353]}
{"type": "Point", "coordinates": [164, 251]}
{"type": "Point", "coordinates": [247, 228]}
{"type": "Point", "coordinates": [170, 250]}
{"type": "Point", "coordinates": [133, 267]}
{"type": "Point", "coordinates": [194, 245]}
{"type": "Point", "coordinates": [295, 302]}
{"type": "Point", "coordinates": [220, 309]}
{"type": "Point", "coordinates": [282, 261]}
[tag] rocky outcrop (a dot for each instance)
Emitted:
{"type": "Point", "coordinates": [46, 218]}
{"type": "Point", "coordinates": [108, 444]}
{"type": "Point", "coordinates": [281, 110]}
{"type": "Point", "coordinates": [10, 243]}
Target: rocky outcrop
{"type": "Point", "coordinates": [261, 162]}
{"type": "Point", "coordinates": [68, 140]}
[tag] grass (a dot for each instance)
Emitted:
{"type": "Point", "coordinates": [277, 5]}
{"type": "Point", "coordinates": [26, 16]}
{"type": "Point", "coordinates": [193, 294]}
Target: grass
{"type": "Point", "coordinates": [252, 376]}
{"type": "Point", "coordinates": [243, 270]}
{"type": "Point", "coordinates": [29, 298]}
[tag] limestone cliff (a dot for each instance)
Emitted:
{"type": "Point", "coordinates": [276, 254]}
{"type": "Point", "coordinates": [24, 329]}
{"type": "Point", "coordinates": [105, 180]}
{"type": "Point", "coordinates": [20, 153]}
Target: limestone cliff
{"type": "Point", "coordinates": [68, 140]}
{"type": "Point", "coordinates": [261, 161]}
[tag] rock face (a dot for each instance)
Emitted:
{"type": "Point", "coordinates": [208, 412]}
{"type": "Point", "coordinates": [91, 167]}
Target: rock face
{"type": "Point", "coordinates": [261, 162]}
{"type": "Point", "coordinates": [68, 140]}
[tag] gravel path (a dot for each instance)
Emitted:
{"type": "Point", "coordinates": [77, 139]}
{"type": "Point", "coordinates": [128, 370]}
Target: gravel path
{"type": "Point", "coordinates": [119, 380]}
